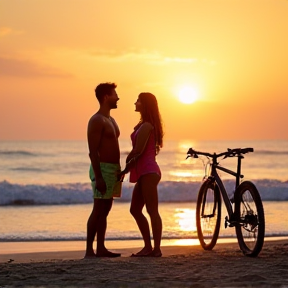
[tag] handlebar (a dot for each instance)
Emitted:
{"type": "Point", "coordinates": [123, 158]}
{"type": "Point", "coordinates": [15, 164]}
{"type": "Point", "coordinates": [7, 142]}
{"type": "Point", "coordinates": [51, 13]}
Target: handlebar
{"type": "Point", "coordinates": [229, 153]}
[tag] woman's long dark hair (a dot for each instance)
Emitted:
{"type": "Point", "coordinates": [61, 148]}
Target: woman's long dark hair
{"type": "Point", "coordinates": [150, 113]}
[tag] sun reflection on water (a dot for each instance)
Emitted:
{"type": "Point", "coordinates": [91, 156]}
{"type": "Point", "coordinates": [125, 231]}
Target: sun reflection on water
{"type": "Point", "coordinates": [181, 173]}
{"type": "Point", "coordinates": [185, 242]}
{"type": "Point", "coordinates": [185, 145]}
{"type": "Point", "coordinates": [185, 217]}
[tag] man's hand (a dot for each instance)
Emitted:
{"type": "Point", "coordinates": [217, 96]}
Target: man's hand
{"type": "Point", "coordinates": [101, 185]}
{"type": "Point", "coordinates": [121, 175]}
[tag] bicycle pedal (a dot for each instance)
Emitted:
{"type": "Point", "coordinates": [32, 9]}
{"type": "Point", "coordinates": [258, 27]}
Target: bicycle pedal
{"type": "Point", "coordinates": [226, 222]}
{"type": "Point", "coordinates": [229, 223]}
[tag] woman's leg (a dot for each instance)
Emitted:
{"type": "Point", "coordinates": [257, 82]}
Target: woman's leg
{"type": "Point", "coordinates": [148, 185]}
{"type": "Point", "coordinates": [137, 204]}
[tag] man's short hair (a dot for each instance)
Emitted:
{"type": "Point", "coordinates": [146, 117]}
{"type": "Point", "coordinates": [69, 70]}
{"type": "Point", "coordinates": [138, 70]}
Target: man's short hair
{"type": "Point", "coordinates": [104, 89]}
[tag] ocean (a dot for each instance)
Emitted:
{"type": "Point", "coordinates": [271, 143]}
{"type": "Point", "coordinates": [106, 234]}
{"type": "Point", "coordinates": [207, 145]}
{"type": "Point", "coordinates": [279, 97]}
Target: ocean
{"type": "Point", "coordinates": [45, 193]}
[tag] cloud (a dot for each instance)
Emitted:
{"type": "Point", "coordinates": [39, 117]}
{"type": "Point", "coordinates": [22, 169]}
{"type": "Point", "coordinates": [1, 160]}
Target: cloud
{"type": "Point", "coordinates": [4, 31]}
{"type": "Point", "coordinates": [180, 60]}
{"type": "Point", "coordinates": [11, 67]}
{"type": "Point", "coordinates": [150, 57]}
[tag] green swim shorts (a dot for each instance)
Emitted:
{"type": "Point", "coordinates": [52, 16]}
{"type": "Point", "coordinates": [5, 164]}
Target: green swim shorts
{"type": "Point", "coordinates": [109, 173]}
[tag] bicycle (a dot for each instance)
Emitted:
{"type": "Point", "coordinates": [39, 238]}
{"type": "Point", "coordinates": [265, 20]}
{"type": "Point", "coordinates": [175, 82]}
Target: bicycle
{"type": "Point", "coordinates": [248, 214]}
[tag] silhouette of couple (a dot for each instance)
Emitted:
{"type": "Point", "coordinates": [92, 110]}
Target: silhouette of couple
{"type": "Point", "coordinates": [106, 175]}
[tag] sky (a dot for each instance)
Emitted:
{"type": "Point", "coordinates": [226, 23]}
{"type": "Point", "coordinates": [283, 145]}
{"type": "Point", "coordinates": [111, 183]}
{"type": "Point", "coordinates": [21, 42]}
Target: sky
{"type": "Point", "coordinates": [231, 54]}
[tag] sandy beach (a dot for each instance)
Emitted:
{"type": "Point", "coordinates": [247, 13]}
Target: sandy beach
{"type": "Point", "coordinates": [180, 266]}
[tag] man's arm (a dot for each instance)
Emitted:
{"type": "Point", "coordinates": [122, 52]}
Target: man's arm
{"type": "Point", "coordinates": [94, 134]}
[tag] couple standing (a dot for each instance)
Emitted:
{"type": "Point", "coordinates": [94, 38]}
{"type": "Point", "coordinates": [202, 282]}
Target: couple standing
{"type": "Point", "coordinates": [105, 172]}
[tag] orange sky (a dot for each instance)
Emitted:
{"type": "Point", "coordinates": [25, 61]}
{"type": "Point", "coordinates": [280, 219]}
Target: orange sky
{"type": "Point", "coordinates": [54, 52]}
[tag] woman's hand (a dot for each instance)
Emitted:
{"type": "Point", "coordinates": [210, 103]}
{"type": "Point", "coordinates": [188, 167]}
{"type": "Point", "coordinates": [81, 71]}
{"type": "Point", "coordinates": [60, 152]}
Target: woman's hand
{"type": "Point", "coordinates": [130, 162]}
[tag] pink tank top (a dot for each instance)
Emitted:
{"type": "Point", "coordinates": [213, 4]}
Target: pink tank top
{"type": "Point", "coordinates": [146, 163]}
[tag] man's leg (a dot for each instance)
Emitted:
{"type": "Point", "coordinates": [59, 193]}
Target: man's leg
{"type": "Point", "coordinates": [91, 231]}
{"type": "Point", "coordinates": [104, 207]}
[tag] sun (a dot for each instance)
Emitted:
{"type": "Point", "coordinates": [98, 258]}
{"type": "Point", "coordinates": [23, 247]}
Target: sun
{"type": "Point", "coordinates": [188, 95]}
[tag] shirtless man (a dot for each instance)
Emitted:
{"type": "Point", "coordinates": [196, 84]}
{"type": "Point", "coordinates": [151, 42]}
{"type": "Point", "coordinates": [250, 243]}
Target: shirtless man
{"type": "Point", "coordinates": [104, 153]}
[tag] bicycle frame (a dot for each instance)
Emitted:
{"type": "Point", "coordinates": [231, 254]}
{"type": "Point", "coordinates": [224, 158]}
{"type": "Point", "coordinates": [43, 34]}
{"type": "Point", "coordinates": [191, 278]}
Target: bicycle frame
{"type": "Point", "coordinates": [215, 175]}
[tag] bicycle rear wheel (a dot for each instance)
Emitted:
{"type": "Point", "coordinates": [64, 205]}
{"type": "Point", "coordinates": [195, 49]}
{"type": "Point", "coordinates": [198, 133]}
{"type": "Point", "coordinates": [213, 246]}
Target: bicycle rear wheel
{"type": "Point", "coordinates": [208, 214]}
{"type": "Point", "coordinates": [249, 214]}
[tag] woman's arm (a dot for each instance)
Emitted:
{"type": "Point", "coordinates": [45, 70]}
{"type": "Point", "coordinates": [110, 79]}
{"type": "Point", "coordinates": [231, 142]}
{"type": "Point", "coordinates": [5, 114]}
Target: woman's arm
{"type": "Point", "coordinates": [141, 142]}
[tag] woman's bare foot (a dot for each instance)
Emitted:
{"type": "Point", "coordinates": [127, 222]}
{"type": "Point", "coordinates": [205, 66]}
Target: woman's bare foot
{"type": "Point", "coordinates": [90, 255]}
{"type": "Point", "coordinates": [154, 253]}
{"type": "Point", "coordinates": [145, 251]}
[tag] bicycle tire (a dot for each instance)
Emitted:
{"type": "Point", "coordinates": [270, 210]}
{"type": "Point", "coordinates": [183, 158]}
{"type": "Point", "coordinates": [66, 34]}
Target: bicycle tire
{"type": "Point", "coordinates": [208, 214]}
{"type": "Point", "coordinates": [249, 214]}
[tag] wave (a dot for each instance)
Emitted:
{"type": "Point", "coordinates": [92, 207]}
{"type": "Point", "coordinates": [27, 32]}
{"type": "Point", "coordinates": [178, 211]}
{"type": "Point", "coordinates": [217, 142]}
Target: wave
{"type": "Point", "coordinates": [24, 153]}
{"type": "Point", "coordinates": [270, 152]}
{"type": "Point", "coordinates": [17, 153]}
{"type": "Point", "coordinates": [29, 169]}
{"type": "Point", "coordinates": [80, 193]}
{"type": "Point", "coordinates": [258, 152]}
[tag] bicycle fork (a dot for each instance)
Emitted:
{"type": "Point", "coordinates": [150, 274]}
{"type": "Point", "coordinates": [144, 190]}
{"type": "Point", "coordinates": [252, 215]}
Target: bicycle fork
{"type": "Point", "coordinates": [215, 198]}
{"type": "Point", "coordinates": [211, 215]}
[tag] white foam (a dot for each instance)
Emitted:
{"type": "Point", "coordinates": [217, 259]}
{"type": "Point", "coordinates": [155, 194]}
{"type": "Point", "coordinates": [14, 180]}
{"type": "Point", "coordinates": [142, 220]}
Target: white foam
{"type": "Point", "coordinates": [80, 193]}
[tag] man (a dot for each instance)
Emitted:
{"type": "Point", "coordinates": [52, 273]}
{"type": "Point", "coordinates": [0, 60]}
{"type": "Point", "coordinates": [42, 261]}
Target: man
{"type": "Point", "coordinates": [104, 153]}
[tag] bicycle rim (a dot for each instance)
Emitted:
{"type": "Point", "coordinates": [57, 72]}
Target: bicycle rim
{"type": "Point", "coordinates": [208, 214]}
{"type": "Point", "coordinates": [249, 212]}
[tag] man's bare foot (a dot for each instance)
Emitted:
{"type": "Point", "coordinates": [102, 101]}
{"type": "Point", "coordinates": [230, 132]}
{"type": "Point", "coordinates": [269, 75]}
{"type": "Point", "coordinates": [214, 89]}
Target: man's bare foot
{"type": "Point", "coordinates": [107, 253]}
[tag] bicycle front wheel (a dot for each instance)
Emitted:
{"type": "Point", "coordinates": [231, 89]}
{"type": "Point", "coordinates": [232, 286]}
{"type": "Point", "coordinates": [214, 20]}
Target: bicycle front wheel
{"type": "Point", "coordinates": [249, 214]}
{"type": "Point", "coordinates": [208, 214]}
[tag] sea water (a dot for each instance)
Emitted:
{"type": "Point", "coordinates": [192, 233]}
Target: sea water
{"type": "Point", "coordinates": [45, 192]}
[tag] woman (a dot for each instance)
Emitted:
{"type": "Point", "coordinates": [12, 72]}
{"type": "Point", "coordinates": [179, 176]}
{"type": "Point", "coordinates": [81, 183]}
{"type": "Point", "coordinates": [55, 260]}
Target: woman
{"type": "Point", "coordinates": [147, 139]}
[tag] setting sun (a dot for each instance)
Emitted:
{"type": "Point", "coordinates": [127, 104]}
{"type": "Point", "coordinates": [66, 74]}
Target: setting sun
{"type": "Point", "coordinates": [188, 95]}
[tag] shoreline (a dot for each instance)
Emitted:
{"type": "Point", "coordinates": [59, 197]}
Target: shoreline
{"type": "Point", "coordinates": [180, 266]}
{"type": "Point", "coordinates": [36, 250]}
